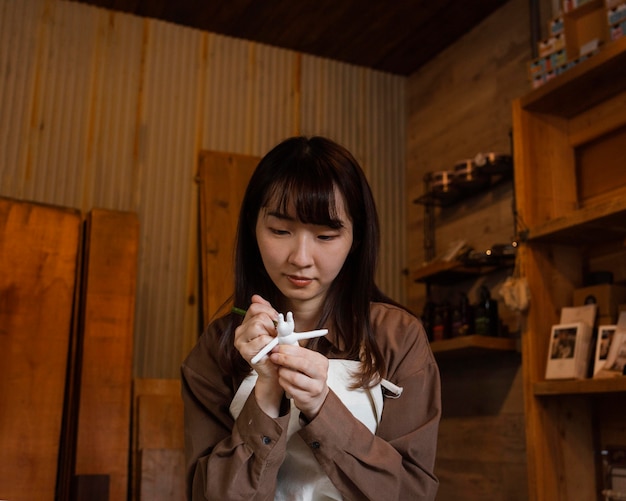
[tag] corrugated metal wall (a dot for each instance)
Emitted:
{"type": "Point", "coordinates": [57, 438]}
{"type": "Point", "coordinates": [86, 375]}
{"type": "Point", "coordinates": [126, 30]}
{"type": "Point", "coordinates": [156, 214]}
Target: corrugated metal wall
{"type": "Point", "coordinates": [103, 109]}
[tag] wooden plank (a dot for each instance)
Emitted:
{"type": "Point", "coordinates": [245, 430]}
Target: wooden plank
{"type": "Point", "coordinates": [162, 475]}
{"type": "Point", "coordinates": [157, 421]}
{"type": "Point", "coordinates": [38, 254]}
{"type": "Point", "coordinates": [581, 386]}
{"type": "Point", "coordinates": [160, 423]}
{"type": "Point", "coordinates": [468, 480]}
{"type": "Point", "coordinates": [460, 438]}
{"type": "Point", "coordinates": [107, 346]}
{"type": "Point", "coordinates": [588, 224]}
{"type": "Point", "coordinates": [223, 178]}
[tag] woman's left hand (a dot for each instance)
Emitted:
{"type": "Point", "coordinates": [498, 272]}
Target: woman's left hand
{"type": "Point", "coordinates": [303, 375]}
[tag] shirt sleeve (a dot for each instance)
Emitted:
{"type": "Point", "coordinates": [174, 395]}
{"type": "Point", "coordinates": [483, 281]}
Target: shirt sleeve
{"type": "Point", "coordinates": [226, 458]}
{"type": "Point", "coordinates": [398, 461]}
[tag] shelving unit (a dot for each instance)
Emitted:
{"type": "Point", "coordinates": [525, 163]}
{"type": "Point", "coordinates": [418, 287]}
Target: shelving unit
{"type": "Point", "coordinates": [570, 187]}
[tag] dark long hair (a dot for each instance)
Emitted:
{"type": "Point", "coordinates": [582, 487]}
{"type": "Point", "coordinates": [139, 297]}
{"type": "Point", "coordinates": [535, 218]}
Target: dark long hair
{"type": "Point", "coordinates": [306, 172]}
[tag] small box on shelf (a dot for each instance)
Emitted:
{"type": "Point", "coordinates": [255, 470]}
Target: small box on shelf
{"type": "Point", "coordinates": [608, 297]}
{"type": "Point", "coordinates": [555, 26]}
{"type": "Point", "coordinates": [552, 44]}
{"type": "Point", "coordinates": [617, 14]}
{"type": "Point", "coordinates": [609, 4]}
{"type": "Point", "coordinates": [617, 31]}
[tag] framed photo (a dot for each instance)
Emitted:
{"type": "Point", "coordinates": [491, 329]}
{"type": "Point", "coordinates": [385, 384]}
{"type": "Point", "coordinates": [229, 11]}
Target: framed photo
{"type": "Point", "coordinates": [606, 334]}
{"type": "Point", "coordinates": [568, 353]}
{"type": "Point", "coordinates": [616, 359]}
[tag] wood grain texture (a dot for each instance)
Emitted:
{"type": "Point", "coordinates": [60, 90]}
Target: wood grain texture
{"type": "Point", "coordinates": [577, 228]}
{"type": "Point", "coordinates": [38, 254]}
{"type": "Point", "coordinates": [223, 178]}
{"type": "Point", "coordinates": [393, 37]}
{"type": "Point", "coordinates": [108, 302]}
{"type": "Point", "coordinates": [158, 439]}
{"type": "Point", "coordinates": [459, 104]}
{"type": "Point", "coordinates": [162, 475]}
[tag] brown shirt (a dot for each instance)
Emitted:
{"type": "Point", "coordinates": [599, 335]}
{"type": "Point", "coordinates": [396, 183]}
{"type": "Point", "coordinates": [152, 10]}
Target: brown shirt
{"type": "Point", "coordinates": [239, 459]}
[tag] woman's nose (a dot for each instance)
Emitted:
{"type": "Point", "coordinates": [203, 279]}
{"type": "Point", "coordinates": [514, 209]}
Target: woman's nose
{"type": "Point", "coordinates": [300, 254]}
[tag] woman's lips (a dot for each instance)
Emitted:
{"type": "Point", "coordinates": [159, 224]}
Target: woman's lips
{"type": "Point", "coordinates": [299, 281]}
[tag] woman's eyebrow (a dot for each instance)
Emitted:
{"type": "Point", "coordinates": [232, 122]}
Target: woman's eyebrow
{"type": "Point", "coordinates": [333, 223]}
{"type": "Point", "coordinates": [280, 215]}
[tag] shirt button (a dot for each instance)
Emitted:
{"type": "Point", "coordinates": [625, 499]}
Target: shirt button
{"type": "Point", "coordinates": [315, 445]}
{"type": "Point", "coordinates": [267, 440]}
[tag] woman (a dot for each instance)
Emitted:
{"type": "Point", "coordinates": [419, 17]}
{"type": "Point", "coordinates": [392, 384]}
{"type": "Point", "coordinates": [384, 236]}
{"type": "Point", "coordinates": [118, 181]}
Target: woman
{"type": "Point", "coordinates": [309, 421]}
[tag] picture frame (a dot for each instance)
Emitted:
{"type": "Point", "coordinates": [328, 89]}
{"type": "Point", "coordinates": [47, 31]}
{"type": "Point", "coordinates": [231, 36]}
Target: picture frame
{"type": "Point", "coordinates": [568, 351]}
{"type": "Point", "coordinates": [606, 334]}
{"type": "Point", "coordinates": [616, 359]}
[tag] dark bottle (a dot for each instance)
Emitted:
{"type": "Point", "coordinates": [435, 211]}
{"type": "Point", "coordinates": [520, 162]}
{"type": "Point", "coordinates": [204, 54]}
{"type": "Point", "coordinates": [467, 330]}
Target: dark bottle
{"type": "Point", "coordinates": [462, 318]}
{"type": "Point", "coordinates": [438, 327]}
{"type": "Point", "coordinates": [442, 326]}
{"type": "Point", "coordinates": [486, 320]}
{"type": "Point", "coordinates": [457, 323]}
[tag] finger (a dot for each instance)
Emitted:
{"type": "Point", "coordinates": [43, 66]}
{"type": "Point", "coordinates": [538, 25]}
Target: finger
{"type": "Point", "coordinates": [296, 358]}
{"type": "Point", "coordinates": [308, 394]}
{"type": "Point", "coordinates": [260, 300]}
{"type": "Point", "coordinates": [263, 309]}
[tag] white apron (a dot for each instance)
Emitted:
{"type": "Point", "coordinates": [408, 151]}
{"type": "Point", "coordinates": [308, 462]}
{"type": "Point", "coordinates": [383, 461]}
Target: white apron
{"type": "Point", "coordinates": [301, 477]}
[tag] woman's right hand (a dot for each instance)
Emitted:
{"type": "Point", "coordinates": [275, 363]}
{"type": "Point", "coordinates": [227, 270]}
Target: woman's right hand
{"type": "Point", "coordinates": [254, 333]}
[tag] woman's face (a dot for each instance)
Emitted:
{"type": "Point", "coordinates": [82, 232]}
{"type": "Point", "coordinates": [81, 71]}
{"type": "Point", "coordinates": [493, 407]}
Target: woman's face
{"type": "Point", "coordinates": [303, 259]}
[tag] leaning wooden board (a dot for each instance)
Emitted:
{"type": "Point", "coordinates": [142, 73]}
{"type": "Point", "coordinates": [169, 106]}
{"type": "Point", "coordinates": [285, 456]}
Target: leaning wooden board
{"type": "Point", "coordinates": [39, 247]}
{"type": "Point", "coordinates": [108, 305]}
{"type": "Point", "coordinates": [222, 179]}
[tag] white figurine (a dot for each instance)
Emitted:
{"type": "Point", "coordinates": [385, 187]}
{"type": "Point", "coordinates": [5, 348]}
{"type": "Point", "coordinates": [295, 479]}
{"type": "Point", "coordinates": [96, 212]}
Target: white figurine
{"type": "Point", "coordinates": [286, 335]}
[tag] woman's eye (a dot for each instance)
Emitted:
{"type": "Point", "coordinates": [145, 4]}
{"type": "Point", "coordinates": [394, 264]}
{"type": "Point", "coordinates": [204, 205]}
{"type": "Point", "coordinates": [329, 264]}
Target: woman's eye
{"type": "Point", "coordinates": [276, 231]}
{"type": "Point", "coordinates": [326, 237]}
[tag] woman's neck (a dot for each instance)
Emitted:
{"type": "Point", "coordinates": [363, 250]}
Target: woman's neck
{"type": "Point", "coordinates": [306, 316]}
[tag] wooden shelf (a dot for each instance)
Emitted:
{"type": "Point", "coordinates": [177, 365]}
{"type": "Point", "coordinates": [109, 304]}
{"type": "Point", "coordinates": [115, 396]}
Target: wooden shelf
{"type": "Point", "coordinates": [600, 222]}
{"type": "Point", "coordinates": [458, 194]}
{"type": "Point", "coordinates": [447, 272]}
{"type": "Point", "coordinates": [581, 386]}
{"type": "Point", "coordinates": [470, 346]}
{"type": "Point", "coordinates": [597, 79]}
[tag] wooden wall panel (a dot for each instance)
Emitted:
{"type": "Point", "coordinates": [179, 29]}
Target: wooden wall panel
{"type": "Point", "coordinates": [38, 254]}
{"type": "Point", "coordinates": [459, 104]}
{"type": "Point", "coordinates": [108, 302]}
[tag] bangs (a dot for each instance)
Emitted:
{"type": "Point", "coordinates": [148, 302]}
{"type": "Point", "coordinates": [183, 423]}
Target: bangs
{"type": "Point", "coordinates": [311, 195]}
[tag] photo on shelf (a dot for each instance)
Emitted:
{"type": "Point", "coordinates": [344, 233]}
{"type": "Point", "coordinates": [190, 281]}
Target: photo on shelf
{"type": "Point", "coordinates": [616, 357]}
{"type": "Point", "coordinates": [603, 344]}
{"type": "Point", "coordinates": [568, 353]}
